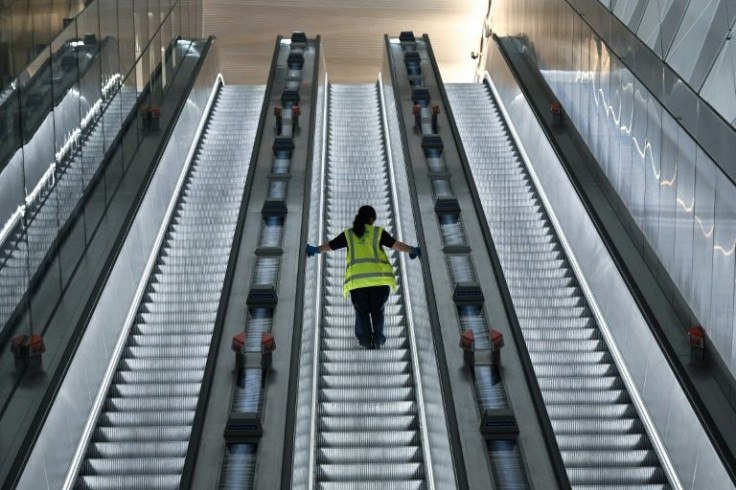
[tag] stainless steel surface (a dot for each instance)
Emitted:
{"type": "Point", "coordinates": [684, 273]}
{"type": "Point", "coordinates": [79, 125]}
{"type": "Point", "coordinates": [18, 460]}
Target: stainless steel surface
{"type": "Point", "coordinates": [367, 420]}
{"type": "Point", "coordinates": [141, 435]}
{"type": "Point", "coordinates": [596, 425]}
{"type": "Point", "coordinates": [661, 153]}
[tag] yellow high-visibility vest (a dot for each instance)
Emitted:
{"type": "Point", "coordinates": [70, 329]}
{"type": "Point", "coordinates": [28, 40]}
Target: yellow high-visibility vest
{"type": "Point", "coordinates": [366, 262]}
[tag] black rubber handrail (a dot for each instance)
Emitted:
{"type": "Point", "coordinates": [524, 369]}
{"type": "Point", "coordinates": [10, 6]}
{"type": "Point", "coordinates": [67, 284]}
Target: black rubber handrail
{"type": "Point", "coordinates": [456, 449]}
{"type": "Point", "coordinates": [296, 339]}
{"type": "Point", "coordinates": [187, 477]}
{"type": "Point", "coordinates": [720, 444]}
{"type": "Point", "coordinates": [553, 449]}
{"type": "Point", "coordinates": [21, 457]}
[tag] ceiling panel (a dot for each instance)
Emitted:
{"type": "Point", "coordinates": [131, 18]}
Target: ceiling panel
{"type": "Point", "coordinates": [352, 33]}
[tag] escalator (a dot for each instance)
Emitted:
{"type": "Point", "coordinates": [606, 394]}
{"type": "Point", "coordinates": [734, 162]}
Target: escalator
{"type": "Point", "coordinates": [598, 430]}
{"type": "Point", "coordinates": [142, 433]}
{"type": "Point", "coordinates": [367, 407]}
{"type": "Point", "coordinates": [27, 247]}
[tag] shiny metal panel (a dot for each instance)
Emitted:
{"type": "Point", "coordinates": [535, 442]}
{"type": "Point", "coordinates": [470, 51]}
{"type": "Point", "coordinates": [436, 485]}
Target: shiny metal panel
{"type": "Point", "coordinates": [67, 419]}
{"type": "Point", "coordinates": [703, 234]}
{"type": "Point", "coordinates": [650, 379]}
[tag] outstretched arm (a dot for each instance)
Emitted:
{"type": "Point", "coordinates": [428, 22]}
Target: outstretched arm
{"type": "Point", "coordinates": [402, 247]}
{"type": "Point", "coordinates": [413, 252]}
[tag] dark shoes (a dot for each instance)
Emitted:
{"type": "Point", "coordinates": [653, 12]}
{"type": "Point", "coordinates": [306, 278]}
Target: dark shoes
{"type": "Point", "coordinates": [371, 346]}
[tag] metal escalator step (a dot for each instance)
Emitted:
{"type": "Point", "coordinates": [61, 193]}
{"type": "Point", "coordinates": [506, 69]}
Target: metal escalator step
{"type": "Point", "coordinates": [404, 454]}
{"type": "Point", "coordinates": [596, 459]}
{"type": "Point", "coordinates": [359, 439]}
{"type": "Point", "coordinates": [616, 476]}
{"type": "Point", "coordinates": [368, 356]}
{"type": "Point", "coordinates": [139, 466]}
{"type": "Point", "coordinates": [144, 402]}
{"type": "Point", "coordinates": [605, 442]}
{"type": "Point", "coordinates": [145, 418]}
{"type": "Point", "coordinates": [583, 358]}
{"type": "Point", "coordinates": [154, 364]}
{"type": "Point", "coordinates": [561, 322]}
{"type": "Point", "coordinates": [371, 472]}
{"type": "Point", "coordinates": [142, 434]}
{"type": "Point", "coordinates": [639, 486]}
{"type": "Point", "coordinates": [364, 368]}
{"type": "Point", "coordinates": [365, 409]}
{"type": "Point", "coordinates": [369, 423]}
{"type": "Point", "coordinates": [589, 397]}
{"type": "Point", "coordinates": [128, 482]}
{"type": "Point", "coordinates": [364, 394]}
{"type": "Point", "coordinates": [526, 285]}
{"type": "Point", "coordinates": [172, 329]}
{"type": "Point", "coordinates": [598, 426]}
{"type": "Point", "coordinates": [561, 346]}
{"type": "Point", "coordinates": [159, 351]}
{"type": "Point", "coordinates": [347, 343]}
{"type": "Point", "coordinates": [177, 317]}
{"type": "Point", "coordinates": [553, 334]}
{"type": "Point", "coordinates": [571, 411]}
{"type": "Point", "coordinates": [138, 449]}
{"type": "Point", "coordinates": [544, 301]}
{"type": "Point", "coordinates": [346, 381]}
{"type": "Point", "coordinates": [160, 376]}
{"type": "Point", "coordinates": [171, 340]}
{"type": "Point", "coordinates": [572, 383]}
{"type": "Point", "coordinates": [574, 370]}
{"type": "Point", "coordinates": [372, 485]}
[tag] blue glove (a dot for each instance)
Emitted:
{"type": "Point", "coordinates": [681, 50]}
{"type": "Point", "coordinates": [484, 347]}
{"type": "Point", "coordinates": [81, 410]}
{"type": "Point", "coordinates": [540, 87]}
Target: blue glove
{"type": "Point", "coordinates": [312, 250]}
{"type": "Point", "coordinates": [415, 252]}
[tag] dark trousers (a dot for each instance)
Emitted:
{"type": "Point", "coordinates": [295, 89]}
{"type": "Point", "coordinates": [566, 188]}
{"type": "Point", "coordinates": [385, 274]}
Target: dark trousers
{"type": "Point", "coordinates": [368, 303]}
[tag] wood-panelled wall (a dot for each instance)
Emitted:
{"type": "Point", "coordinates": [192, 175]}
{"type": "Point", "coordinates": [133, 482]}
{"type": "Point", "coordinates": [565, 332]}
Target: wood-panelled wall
{"type": "Point", "coordinates": [352, 33]}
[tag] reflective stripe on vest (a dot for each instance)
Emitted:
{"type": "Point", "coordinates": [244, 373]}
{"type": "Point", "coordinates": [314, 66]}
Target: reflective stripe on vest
{"type": "Point", "coordinates": [366, 263]}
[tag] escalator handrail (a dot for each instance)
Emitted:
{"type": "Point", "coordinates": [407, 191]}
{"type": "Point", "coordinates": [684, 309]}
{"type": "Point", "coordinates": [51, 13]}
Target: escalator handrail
{"type": "Point", "coordinates": [524, 357]}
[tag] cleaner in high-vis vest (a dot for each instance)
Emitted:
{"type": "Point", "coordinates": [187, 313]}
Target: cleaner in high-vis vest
{"type": "Point", "coordinates": [369, 276]}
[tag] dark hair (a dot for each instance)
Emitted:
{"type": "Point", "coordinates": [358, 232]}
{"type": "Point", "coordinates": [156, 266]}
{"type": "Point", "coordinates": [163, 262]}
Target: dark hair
{"type": "Point", "coordinates": [365, 215]}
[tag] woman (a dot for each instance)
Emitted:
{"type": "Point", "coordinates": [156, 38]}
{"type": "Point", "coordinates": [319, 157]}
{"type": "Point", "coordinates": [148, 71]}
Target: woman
{"type": "Point", "coordinates": [368, 275]}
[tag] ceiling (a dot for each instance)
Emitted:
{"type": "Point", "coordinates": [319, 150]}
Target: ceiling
{"type": "Point", "coordinates": [352, 33]}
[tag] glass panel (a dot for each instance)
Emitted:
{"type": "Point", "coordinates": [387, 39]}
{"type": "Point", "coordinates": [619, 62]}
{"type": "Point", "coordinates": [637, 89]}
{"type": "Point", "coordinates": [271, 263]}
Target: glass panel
{"type": "Point", "coordinates": [669, 164]}
{"type": "Point", "coordinates": [652, 171]}
{"type": "Point", "coordinates": [703, 230]}
{"type": "Point", "coordinates": [724, 244]}
{"type": "Point", "coordinates": [683, 271]}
